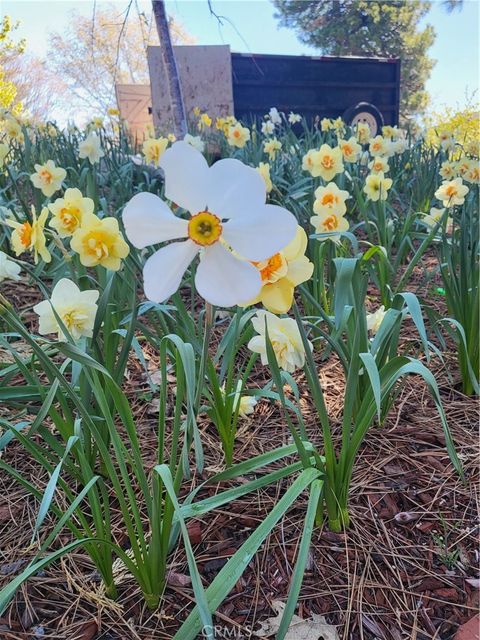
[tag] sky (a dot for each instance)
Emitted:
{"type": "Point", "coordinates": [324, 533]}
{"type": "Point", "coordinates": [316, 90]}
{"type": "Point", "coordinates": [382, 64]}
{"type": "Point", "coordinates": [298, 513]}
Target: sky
{"type": "Point", "coordinates": [250, 26]}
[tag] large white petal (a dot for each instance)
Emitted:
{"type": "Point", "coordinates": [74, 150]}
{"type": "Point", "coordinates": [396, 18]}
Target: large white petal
{"type": "Point", "coordinates": [224, 280]}
{"type": "Point", "coordinates": [234, 190]}
{"type": "Point", "coordinates": [186, 174]}
{"type": "Point", "coordinates": [262, 233]}
{"type": "Point", "coordinates": [163, 272]}
{"type": "Point", "coordinates": [148, 220]}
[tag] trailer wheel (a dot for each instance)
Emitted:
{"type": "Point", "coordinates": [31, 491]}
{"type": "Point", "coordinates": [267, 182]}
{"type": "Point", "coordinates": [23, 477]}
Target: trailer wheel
{"type": "Point", "coordinates": [365, 112]}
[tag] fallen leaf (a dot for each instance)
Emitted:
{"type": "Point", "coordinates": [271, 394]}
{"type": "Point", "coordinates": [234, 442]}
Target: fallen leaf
{"type": "Point", "coordinates": [406, 516]}
{"type": "Point", "coordinates": [175, 579]}
{"type": "Point", "coordinates": [316, 628]}
{"type": "Point", "coordinates": [474, 582]}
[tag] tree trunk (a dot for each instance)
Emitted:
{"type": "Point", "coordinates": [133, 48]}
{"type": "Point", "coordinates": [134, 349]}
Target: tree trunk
{"type": "Point", "coordinates": [174, 88]}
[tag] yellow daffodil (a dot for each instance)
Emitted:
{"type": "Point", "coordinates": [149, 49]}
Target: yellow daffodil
{"type": "Point", "coordinates": [197, 111]}
{"type": "Point", "coordinates": [388, 131]}
{"type": "Point", "coordinates": [238, 136]}
{"type": "Point", "coordinates": [362, 132]}
{"type": "Point", "coordinates": [452, 192]}
{"type": "Point", "coordinates": [375, 319]}
{"type": "Point", "coordinates": [272, 147]}
{"type": "Point", "coordinates": [448, 170]}
{"type": "Point", "coordinates": [282, 273]}
{"type": "Point", "coordinates": [245, 404]}
{"type": "Point", "coordinates": [113, 112]}
{"type": "Point", "coordinates": [153, 148]}
{"type": "Point", "coordinates": [99, 242]}
{"type": "Point", "coordinates": [9, 270]}
{"type": "Point", "coordinates": [76, 309]}
{"type": "Point", "coordinates": [462, 166]}
{"type": "Point", "coordinates": [350, 149]}
{"type": "Point", "coordinates": [377, 186]}
{"type": "Point", "coordinates": [48, 178]}
{"type": "Point", "coordinates": [28, 236]}
{"type": "Point", "coordinates": [171, 137]}
{"type": "Point", "coordinates": [339, 125]}
{"type": "Point", "coordinates": [90, 148]}
{"type": "Point", "coordinates": [68, 212]}
{"type": "Point", "coordinates": [205, 122]}
{"type": "Point", "coordinates": [379, 165]}
{"type": "Point", "coordinates": [284, 337]}
{"type": "Point", "coordinates": [264, 170]}
{"type": "Point", "coordinates": [330, 199]}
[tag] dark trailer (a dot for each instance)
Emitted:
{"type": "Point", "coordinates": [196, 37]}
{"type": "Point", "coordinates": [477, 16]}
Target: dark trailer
{"type": "Point", "coordinates": [358, 89]}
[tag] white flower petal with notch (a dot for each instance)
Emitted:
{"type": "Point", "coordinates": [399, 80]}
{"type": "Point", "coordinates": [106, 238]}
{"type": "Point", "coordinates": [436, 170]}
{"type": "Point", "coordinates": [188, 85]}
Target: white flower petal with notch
{"type": "Point", "coordinates": [186, 176]}
{"type": "Point", "coordinates": [164, 270]}
{"type": "Point", "coordinates": [262, 233]}
{"type": "Point", "coordinates": [224, 280]}
{"type": "Point", "coordinates": [234, 189]}
{"type": "Point", "coordinates": [149, 220]}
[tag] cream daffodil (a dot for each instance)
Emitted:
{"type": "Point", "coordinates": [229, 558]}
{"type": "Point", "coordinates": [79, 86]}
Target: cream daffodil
{"type": "Point", "coordinates": [377, 186]}
{"type": "Point", "coordinates": [238, 136]}
{"type": "Point", "coordinates": [282, 272]}
{"type": "Point", "coordinates": [330, 223]}
{"type": "Point", "coordinates": [76, 309]}
{"type": "Point", "coordinates": [230, 226]}
{"type": "Point", "coordinates": [330, 199]}
{"type": "Point", "coordinates": [272, 147]}
{"type": "Point", "coordinates": [435, 215]}
{"type": "Point", "coordinates": [326, 162]}
{"type": "Point", "coordinates": [362, 132]}
{"type": "Point", "coordinates": [195, 141]}
{"type": "Point", "coordinates": [379, 165]}
{"type": "Point", "coordinates": [4, 149]}
{"type": "Point", "coordinates": [452, 193]}
{"type": "Point", "coordinates": [48, 178]}
{"type": "Point", "coordinates": [350, 149]}
{"type": "Point", "coordinates": [448, 170]}
{"type": "Point", "coordinates": [375, 319]}
{"type": "Point", "coordinates": [28, 236]}
{"type": "Point", "coordinates": [284, 337]}
{"type": "Point", "coordinates": [9, 270]}
{"type": "Point", "coordinates": [69, 211]}
{"type": "Point", "coordinates": [91, 148]}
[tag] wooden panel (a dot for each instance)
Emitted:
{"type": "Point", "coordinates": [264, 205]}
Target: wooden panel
{"type": "Point", "coordinates": [206, 78]}
{"type": "Point", "coordinates": [134, 103]}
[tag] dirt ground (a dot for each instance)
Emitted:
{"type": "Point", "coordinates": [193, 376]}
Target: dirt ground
{"type": "Point", "coordinates": [406, 569]}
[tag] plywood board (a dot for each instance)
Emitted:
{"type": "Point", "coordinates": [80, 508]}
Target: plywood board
{"type": "Point", "coordinates": [134, 103]}
{"type": "Point", "coordinates": [206, 79]}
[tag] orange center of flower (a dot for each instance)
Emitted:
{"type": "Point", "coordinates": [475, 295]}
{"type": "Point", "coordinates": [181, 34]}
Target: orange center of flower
{"type": "Point", "coordinates": [46, 176]}
{"type": "Point", "coordinates": [96, 244]}
{"type": "Point", "coordinates": [376, 146]}
{"type": "Point", "coordinates": [328, 162]}
{"type": "Point", "coordinates": [329, 199]}
{"type": "Point", "coordinates": [236, 133]}
{"type": "Point", "coordinates": [347, 149]}
{"type": "Point", "coordinates": [204, 228]}
{"type": "Point", "coordinates": [272, 269]}
{"type": "Point", "coordinates": [330, 223]}
{"type": "Point", "coordinates": [451, 191]}
{"type": "Point", "coordinates": [378, 166]}
{"type": "Point", "coordinates": [70, 218]}
{"type": "Point", "coordinates": [25, 234]}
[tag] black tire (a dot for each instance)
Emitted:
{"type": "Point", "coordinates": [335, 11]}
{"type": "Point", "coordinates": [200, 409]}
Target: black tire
{"type": "Point", "coordinates": [365, 112]}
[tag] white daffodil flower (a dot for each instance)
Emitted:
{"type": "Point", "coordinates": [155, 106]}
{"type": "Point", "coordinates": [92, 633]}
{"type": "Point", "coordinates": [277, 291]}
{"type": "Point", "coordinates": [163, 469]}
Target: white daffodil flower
{"type": "Point", "coordinates": [230, 226]}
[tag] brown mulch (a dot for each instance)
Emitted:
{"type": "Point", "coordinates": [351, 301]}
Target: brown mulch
{"type": "Point", "coordinates": [406, 568]}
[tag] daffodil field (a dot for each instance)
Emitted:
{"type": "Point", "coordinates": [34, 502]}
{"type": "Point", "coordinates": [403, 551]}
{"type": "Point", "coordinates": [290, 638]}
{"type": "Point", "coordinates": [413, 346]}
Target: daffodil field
{"type": "Point", "coordinates": [213, 281]}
